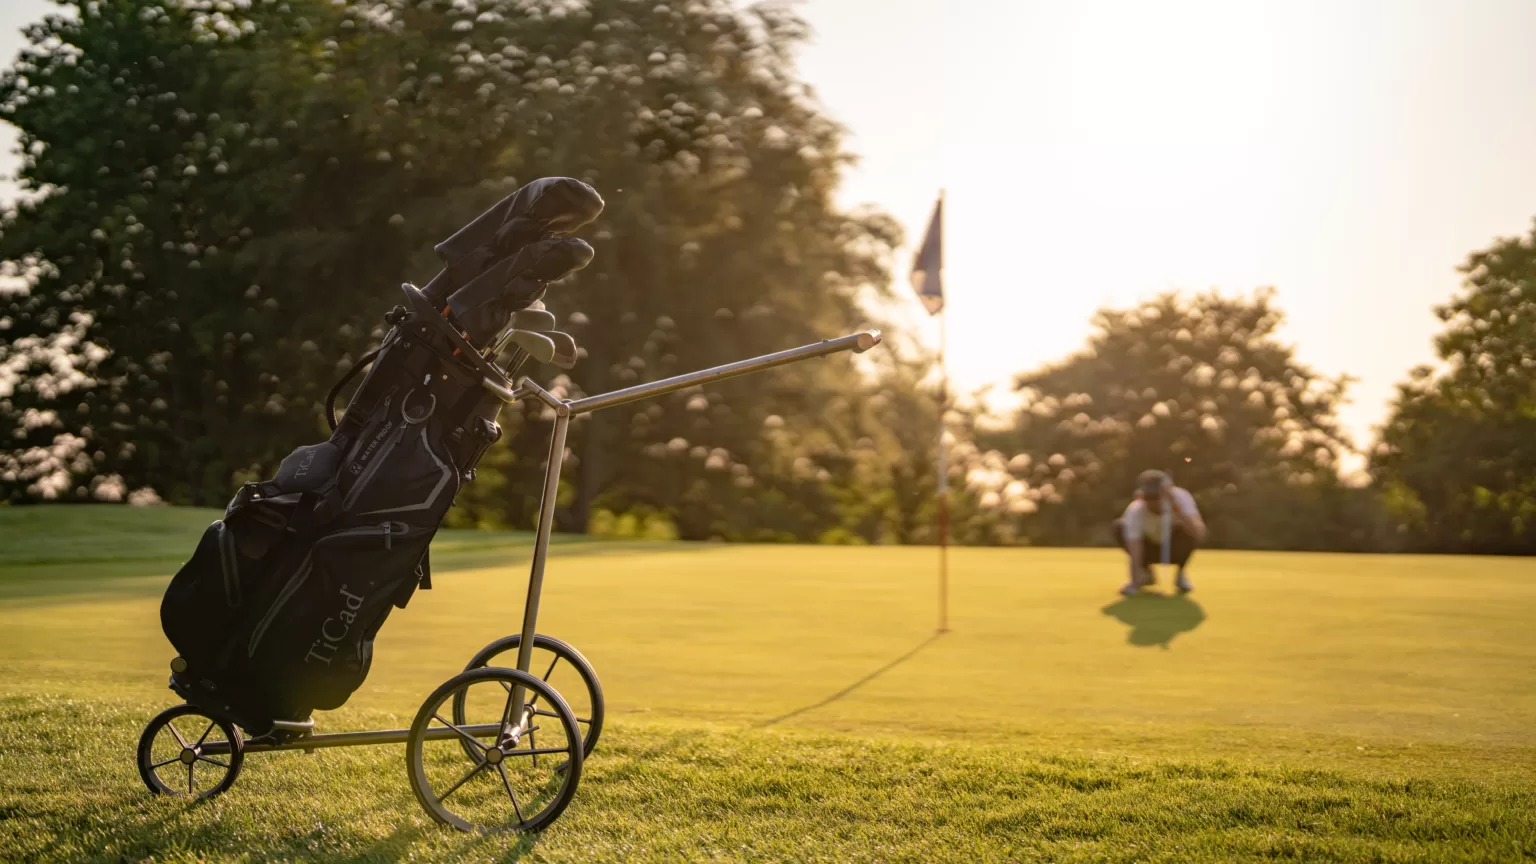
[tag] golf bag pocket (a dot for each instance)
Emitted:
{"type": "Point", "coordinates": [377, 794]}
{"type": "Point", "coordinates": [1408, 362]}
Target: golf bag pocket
{"type": "Point", "coordinates": [395, 471]}
{"type": "Point", "coordinates": [313, 644]}
{"type": "Point", "coordinates": [467, 445]}
{"type": "Point", "coordinates": [208, 595]}
{"type": "Point", "coordinates": [259, 518]}
{"type": "Point", "coordinates": [309, 469]}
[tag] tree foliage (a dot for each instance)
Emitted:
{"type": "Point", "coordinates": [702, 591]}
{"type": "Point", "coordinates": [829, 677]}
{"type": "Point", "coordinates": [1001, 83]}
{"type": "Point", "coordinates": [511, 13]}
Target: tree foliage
{"type": "Point", "coordinates": [222, 198]}
{"type": "Point", "coordinates": [1457, 458]}
{"type": "Point", "coordinates": [226, 196]}
{"type": "Point", "coordinates": [1202, 388]}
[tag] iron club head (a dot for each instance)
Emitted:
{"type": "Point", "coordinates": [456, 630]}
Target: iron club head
{"type": "Point", "coordinates": [536, 345]}
{"type": "Point", "coordinates": [535, 320]}
{"type": "Point", "coordinates": [565, 349]}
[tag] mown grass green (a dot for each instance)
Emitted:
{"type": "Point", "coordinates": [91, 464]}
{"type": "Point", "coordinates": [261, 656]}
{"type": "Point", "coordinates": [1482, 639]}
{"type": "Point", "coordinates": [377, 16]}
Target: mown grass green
{"type": "Point", "coordinates": [792, 703]}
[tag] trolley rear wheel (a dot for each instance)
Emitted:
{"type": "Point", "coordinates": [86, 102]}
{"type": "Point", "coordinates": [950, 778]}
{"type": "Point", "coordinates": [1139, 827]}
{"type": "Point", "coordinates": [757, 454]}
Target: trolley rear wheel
{"type": "Point", "coordinates": [560, 666]}
{"type": "Point", "coordinates": [187, 742]}
{"type": "Point", "coordinates": [525, 755]}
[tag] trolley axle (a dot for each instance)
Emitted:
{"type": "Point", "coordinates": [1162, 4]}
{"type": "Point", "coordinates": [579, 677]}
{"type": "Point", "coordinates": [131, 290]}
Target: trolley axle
{"type": "Point", "coordinates": [354, 739]}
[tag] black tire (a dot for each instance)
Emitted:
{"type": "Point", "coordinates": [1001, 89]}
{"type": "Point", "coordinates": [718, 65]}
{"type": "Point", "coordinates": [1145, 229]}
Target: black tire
{"type": "Point", "coordinates": [592, 722]}
{"type": "Point", "coordinates": [225, 753]}
{"type": "Point", "coordinates": [553, 783]}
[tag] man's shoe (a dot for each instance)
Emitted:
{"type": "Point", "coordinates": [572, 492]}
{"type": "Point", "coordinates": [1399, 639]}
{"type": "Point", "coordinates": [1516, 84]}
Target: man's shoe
{"type": "Point", "coordinates": [1129, 589]}
{"type": "Point", "coordinates": [1182, 582]}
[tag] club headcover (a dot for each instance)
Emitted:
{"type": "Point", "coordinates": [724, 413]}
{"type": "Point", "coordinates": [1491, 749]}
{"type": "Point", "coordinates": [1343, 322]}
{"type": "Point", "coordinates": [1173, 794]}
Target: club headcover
{"type": "Point", "coordinates": [548, 207]}
{"type": "Point", "coordinates": [483, 307]}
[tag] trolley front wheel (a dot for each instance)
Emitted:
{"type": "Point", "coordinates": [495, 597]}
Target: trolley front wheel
{"type": "Point", "coordinates": [524, 745]}
{"type": "Point", "coordinates": [187, 751]}
{"type": "Point", "coordinates": [557, 664]}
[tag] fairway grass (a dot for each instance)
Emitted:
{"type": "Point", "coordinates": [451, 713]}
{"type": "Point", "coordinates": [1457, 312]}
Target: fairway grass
{"type": "Point", "coordinates": [793, 703]}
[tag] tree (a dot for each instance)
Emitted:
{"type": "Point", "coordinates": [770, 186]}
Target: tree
{"type": "Point", "coordinates": [214, 201]}
{"type": "Point", "coordinates": [1457, 458]}
{"type": "Point", "coordinates": [1199, 387]}
{"type": "Point", "coordinates": [226, 196]}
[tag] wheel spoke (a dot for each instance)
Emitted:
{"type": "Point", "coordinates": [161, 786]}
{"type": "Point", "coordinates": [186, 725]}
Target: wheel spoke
{"type": "Point", "coordinates": [213, 761]}
{"type": "Point", "coordinates": [204, 736]}
{"type": "Point", "coordinates": [500, 769]}
{"type": "Point", "coordinates": [462, 780]}
{"type": "Point", "coordinates": [189, 777]}
{"type": "Point", "coordinates": [548, 672]}
{"type": "Point", "coordinates": [159, 765]}
{"type": "Point", "coordinates": [462, 734]}
{"type": "Point", "coordinates": [541, 751]}
{"type": "Point", "coordinates": [543, 713]}
{"type": "Point", "coordinates": [531, 745]}
{"type": "Point", "coordinates": [171, 725]}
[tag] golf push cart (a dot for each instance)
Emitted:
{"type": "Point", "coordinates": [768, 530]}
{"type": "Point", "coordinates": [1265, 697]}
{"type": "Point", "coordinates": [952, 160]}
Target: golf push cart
{"type": "Point", "coordinates": [496, 747]}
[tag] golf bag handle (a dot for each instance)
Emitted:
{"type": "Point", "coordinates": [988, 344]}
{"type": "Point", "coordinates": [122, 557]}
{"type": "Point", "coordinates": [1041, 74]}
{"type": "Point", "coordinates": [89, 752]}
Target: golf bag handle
{"type": "Point", "coordinates": [330, 398]}
{"type": "Point", "coordinates": [858, 343]}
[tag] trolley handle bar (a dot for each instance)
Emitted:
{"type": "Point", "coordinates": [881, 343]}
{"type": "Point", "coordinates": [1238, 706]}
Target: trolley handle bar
{"type": "Point", "coordinates": [856, 342]}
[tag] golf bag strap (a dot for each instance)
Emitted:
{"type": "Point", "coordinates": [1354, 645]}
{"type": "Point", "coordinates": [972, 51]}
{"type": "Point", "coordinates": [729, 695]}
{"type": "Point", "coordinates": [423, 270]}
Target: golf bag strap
{"type": "Point", "coordinates": [330, 398]}
{"type": "Point", "coordinates": [422, 579]}
{"type": "Point", "coordinates": [251, 491]}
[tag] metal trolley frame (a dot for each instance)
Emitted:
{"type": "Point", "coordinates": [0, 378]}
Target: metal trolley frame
{"type": "Point", "coordinates": [516, 705]}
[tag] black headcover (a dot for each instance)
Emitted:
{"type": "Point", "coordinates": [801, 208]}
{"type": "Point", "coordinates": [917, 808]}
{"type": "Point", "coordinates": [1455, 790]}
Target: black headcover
{"type": "Point", "coordinates": [501, 261]}
{"type": "Point", "coordinates": [483, 306]}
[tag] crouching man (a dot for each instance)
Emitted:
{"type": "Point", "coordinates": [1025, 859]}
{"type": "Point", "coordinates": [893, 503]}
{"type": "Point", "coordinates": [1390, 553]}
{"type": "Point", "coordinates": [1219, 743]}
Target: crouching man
{"type": "Point", "coordinates": [1162, 524]}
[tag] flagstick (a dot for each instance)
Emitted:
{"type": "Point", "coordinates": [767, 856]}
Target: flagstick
{"type": "Point", "coordinates": [928, 281]}
{"type": "Point", "coordinates": [943, 480]}
{"type": "Point", "coordinates": [943, 452]}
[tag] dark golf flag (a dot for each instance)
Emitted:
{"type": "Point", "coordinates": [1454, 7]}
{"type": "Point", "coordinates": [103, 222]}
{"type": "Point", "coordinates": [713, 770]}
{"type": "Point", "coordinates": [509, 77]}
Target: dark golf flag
{"type": "Point", "coordinates": [928, 266]}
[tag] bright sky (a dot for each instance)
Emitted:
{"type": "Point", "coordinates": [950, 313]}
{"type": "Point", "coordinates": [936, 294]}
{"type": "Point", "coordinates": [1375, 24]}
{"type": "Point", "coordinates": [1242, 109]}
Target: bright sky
{"type": "Point", "coordinates": [1348, 152]}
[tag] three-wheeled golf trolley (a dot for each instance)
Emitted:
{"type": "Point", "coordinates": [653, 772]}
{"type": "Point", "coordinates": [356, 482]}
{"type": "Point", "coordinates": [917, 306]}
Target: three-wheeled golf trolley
{"type": "Point", "coordinates": [496, 747]}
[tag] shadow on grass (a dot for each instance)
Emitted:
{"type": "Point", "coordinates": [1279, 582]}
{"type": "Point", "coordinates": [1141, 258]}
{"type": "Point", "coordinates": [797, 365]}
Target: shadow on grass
{"type": "Point", "coordinates": [854, 686]}
{"type": "Point", "coordinates": [1155, 619]}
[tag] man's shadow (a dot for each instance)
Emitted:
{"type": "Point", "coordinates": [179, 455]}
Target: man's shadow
{"type": "Point", "coordinates": [1155, 618]}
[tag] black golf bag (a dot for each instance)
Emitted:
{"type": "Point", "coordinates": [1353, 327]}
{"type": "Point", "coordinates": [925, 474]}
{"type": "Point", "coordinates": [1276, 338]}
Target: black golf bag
{"type": "Point", "coordinates": [276, 611]}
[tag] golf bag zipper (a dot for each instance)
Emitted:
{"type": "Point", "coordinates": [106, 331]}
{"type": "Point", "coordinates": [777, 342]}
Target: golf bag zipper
{"type": "Point", "coordinates": [229, 563]}
{"type": "Point", "coordinates": [448, 473]}
{"type": "Point", "coordinates": [395, 437]}
{"type": "Point", "coordinates": [366, 477]}
{"type": "Point", "coordinates": [294, 582]}
{"type": "Point", "coordinates": [385, 529]}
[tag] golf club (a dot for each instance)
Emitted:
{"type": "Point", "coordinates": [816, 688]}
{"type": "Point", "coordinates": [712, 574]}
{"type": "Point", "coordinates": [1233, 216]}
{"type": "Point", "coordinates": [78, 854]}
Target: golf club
{"type": "Point", "coordinates": [565, 349]}
{"type": "Point", "coordinates": [535, 345]}
{"type": "Point", "coordinates": [534, 320]}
